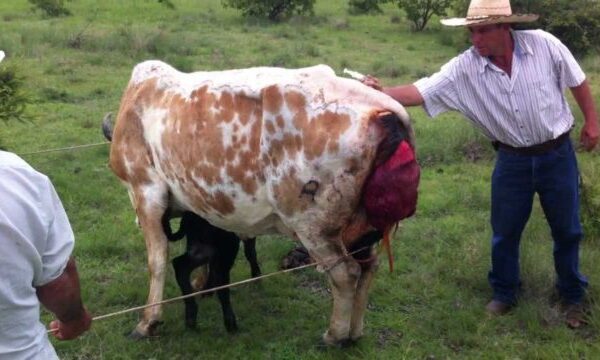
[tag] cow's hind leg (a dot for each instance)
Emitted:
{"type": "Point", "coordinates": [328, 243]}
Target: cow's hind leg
{"type": "Point", "coordinates": [365, 254]}
{"type": "Point", "coordinates": [151, 201]}
{"type": "Point", "coordinates": [343, 273]}
{"type": "Point", "coordinates": [368, 270]}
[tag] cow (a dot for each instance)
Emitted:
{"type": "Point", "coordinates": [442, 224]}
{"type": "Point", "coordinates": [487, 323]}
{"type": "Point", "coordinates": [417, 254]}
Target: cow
{"type": "Point", "coordinates": [261, 151]}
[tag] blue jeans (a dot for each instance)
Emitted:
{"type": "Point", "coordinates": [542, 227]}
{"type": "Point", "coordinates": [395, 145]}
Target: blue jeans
{"type": "Point", "coordinates": [516, 178]}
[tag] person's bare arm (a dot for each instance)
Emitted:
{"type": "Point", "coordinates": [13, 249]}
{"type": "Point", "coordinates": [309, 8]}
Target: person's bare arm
{"type": "Point", "coordinates": [407, 95]}
{"type": "Point", "coordinates": [590, 132]}
{"type": "Point", "coordinates": [62, 297]}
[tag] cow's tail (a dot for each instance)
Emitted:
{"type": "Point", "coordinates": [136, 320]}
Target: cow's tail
{"type": "Point", "coordinates": [107, 126]}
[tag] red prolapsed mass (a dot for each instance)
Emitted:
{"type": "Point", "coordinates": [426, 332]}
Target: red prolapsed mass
{"type": "Point", "coordinates": [390, 193]}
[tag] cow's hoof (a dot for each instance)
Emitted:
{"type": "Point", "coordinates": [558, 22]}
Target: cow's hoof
{"type": "Point", "coordinates": [355, 336]}
{"type": "Point", "coordinates": [136, 335]}
{"type": "Point", "coordinates": [145, 332]}
{"type": "Point", "coordinates": [329, 340]}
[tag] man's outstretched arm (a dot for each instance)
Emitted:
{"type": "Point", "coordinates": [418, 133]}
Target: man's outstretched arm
{"type": "Point", "coordinates": [62, 296]}
{"type": "Point", "coordinates": [407, 95]}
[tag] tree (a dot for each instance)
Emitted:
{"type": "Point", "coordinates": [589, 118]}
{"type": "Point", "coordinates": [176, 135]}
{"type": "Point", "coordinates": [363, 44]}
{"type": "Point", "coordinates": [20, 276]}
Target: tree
{"type": "Point", "coordinates": [420, 11]}
{"type": "Point", "coordinates": [274, 10]}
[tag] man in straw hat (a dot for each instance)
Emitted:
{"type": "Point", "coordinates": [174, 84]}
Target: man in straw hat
{"type": "Point", "coordinates": [36, 241]}
{"type": "Point", "coordinates": [510, 85]}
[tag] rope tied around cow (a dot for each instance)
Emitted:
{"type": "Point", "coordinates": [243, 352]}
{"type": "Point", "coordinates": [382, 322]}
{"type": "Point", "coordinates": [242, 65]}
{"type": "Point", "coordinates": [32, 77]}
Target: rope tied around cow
{"type": "Point", "coordinates": [333, 263]}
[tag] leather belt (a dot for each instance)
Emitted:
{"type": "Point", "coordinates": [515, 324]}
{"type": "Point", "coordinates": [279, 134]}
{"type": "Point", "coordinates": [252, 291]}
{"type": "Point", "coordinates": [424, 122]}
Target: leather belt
{"type": "Point", "coordinates": [537, 149]}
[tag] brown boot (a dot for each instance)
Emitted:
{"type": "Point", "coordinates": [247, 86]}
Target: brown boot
{"type": "Point", "coordinates": [574, 315]}
{"type": "Point", "coordinates": [497, 308]}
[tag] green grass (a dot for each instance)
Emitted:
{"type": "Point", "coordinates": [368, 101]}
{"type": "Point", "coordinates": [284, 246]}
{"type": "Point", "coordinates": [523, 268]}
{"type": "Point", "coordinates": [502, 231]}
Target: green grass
{"type": "Point", "coordinates": [75, 69]}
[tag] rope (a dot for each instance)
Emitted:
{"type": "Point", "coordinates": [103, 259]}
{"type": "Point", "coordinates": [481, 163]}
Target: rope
{"type": "Point", "coordinates": [168, 301]}
{"type": "Point", "coordinates": [63, 149]}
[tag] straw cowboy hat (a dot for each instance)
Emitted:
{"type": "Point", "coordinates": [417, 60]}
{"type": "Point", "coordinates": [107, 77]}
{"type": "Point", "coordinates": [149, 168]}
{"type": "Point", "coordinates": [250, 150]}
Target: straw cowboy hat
{"type": "Point", "coordinates": [484, 12]}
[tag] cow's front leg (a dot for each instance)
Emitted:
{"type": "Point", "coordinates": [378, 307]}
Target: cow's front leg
{"type": "Point", "coordinates": [157, 251]}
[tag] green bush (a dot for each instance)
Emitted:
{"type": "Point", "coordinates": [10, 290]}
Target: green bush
{"type": "Point", "coordinates": [12, 98]}
{"type": "Point", "coordinates": [356, 7]}
{"type": "Point", "coordinates": [274, 10]}
{"type": "Point", "coordinates": [51, 8]}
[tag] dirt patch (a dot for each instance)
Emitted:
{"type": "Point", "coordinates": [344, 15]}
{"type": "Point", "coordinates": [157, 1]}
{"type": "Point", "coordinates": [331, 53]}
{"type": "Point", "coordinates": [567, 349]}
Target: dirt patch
{"type": "Point", "coordinates": [387, 336]}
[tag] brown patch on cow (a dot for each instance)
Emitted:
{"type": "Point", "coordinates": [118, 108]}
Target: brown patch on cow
{"type": "Point", "coordinates": [245, 108]}
{"type": "Point", "coordinates": [221, 203]}
{"type": "Point", "coordinates": [300, 119]}
{"type": "Point", "coordinates": [230, 153]}
{"type": "Point", "coordinates": [270, 127]}
{"type": "Point", "coordinates": [280, 122]}
{"type": "Point", "coordinates": [272, 99]}
{"type": "Point", "coordinates": [287, 194]}
{"type": "Point", "coordinates": [295, 101]}
{"type": "Point", "coordinates": [323, 132]}
{"type": "Point", "coordinates": [225, 107]}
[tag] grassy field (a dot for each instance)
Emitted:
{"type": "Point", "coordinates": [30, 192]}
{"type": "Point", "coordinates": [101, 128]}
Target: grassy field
{"type": "Point", "coordinates": [75, 69]}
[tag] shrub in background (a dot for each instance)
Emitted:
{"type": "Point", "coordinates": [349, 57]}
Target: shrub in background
{"type": "Point", "coordinates": [274, 10]}
{"type": "Point", "coordinates": [419, 12]}
{"type": "Point", "coordinates": [51, 8]}
{"type": "Point", "coordinates": [12, 98]}
{"type": "Point", "coordinates": [356, 7]}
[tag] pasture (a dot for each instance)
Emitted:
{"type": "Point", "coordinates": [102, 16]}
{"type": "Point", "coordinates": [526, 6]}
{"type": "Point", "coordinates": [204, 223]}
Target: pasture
{"type": "Point", "coordinates": [75, 68]}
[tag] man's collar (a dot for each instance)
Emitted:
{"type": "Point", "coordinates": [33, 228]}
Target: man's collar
{"type": "Point", "coordinates": [521, 48]}
{"type": "Point", "coordinates": [521, 45]}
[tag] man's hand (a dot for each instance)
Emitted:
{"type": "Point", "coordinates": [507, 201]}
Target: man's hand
{"type": "Point", "coordinates": [73, 328]}
{"type": "Point", "coordinates": [373, 82]}
{"type": "Point", "coordinates": [590, 134]}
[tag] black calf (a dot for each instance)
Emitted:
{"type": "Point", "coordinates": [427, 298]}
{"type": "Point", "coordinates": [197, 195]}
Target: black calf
{"type": "Point", "coordinates": [207, 244]}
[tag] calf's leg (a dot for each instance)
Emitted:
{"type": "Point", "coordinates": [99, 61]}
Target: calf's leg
{"type": "Point", "coordinates": [250, 253]}
{"type": "Point", "coordinates": [183, 266]}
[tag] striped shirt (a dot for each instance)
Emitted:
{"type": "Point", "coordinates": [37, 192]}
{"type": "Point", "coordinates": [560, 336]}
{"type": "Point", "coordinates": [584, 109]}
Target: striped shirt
{"type": "Point", "coordinates": [521, 110]}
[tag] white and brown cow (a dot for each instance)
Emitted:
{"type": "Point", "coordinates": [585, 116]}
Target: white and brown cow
{"type": "Point", "coordinates": [255, 151]}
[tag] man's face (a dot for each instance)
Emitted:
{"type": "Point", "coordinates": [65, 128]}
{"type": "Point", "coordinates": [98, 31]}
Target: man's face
{"type": "Point", "coordinates": [489, 40]}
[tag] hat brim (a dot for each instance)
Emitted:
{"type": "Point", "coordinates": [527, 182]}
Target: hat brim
{"type": "Point", "coordinates": [486, 20]}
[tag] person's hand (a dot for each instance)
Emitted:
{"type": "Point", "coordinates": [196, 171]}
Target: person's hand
{"type": "Point", "coordinates": [71, 329]}
{"type": "Point", "coordinates": [372, 81]}
{"type": "Point", "coordinates": [590, 135]}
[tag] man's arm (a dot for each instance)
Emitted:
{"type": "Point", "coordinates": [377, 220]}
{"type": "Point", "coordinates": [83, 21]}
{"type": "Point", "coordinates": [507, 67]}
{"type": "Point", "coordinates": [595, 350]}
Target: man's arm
{"type": "Point", "coordinates": [62, 297]}
{"type": "Point", "coordinates": [590, 132]}
{"type": "Point", "coordinates": [407, 95]}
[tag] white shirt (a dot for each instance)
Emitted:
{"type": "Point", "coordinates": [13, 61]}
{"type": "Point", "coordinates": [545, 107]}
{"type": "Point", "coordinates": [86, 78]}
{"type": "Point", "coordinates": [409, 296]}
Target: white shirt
{"type": "Point", "coordinates": [36, 241]}
{"type": "Point", "coordinates": [525, 109]}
